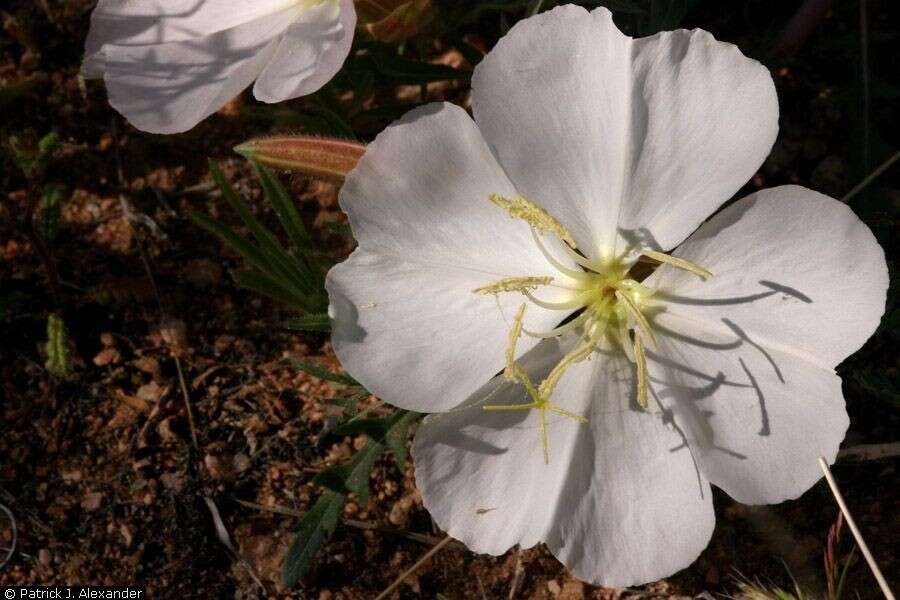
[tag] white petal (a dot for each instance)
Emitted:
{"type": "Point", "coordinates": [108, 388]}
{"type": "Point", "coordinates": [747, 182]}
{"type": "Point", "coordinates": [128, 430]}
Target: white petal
{"type": "Point", "coordinates": [170, 87]}
{"type": "Point", "coordinates": [620, 503]}
{"type": "Point", "coordinates": [756, 418]}
{"type": "Point", "coordinates": [795, 269]}
{"type": "Point", "coordinates": [622, 137]}
{"type": "Point", "coordinates": [406, 323]}
{"type": "Point", "coordinates": [153, 22]}
{"type": "Point", "coordinates": [798, 283]}
{"type": "Point", "coordinates": [312, 51]}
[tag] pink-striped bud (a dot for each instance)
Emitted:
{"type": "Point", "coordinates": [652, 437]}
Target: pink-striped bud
{"type": "Point", "coordinates": [324, 158]}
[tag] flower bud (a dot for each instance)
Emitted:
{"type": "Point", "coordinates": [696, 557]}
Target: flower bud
{"type": "Point", "coordinates": [324, 158]}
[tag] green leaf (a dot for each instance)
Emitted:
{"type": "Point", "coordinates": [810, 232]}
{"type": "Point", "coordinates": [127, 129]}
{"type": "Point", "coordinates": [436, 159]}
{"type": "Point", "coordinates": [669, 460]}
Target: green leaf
{"type": "Point", "coordinates": [46, 147]}
{"type": "Point", "coordinates": [281, 263]}
{"type": "Point", "coordinates": [299, 278]}
{"type": "Point", "coordinates": [59, 362]}
{"type": "Point", "coordinates": [250, 252]}
{"type": "Point", "coordinates": [316, 322]}
{"type": "Point", "coordinates": [261, 283]}
{"type": "Point", "coordinates": [411, 72]}
{"type": "Point", "coordinates": [312, 531]}
{"type": "Point", "coordinates": [13, 91]}
{"type": "Point", "coordinates": [378, 117]}
{"type": "Point", "coordinates": [51, 200]}
{"type": "Point", "coordinates": [321, 373]}
{"type": "Point", "coordinates": [878, 383]}
{"type": "Point", "coordinates": [354, 475]}
{"type": "Point", "coordinates": [335, 122]}
{"type": "Point", "coordinates": [287, 292]}
{"type": "Point", "coordinates": [349, 404]}
{"type": "Point", "coordinates": [284, 208]}
{"type": "Point", "coordinates": [391, 431]}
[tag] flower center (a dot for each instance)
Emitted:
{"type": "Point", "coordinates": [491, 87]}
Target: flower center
{"type": "Point", "coordinates": [603, 302]}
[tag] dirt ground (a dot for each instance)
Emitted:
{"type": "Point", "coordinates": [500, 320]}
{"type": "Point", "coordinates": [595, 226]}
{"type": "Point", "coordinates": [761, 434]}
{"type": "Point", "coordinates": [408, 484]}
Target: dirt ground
{"type": "Point", "coordinates": [100, 471]}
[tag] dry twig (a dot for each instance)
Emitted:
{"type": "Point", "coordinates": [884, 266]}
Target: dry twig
{"type": "Point", "coordinates": [864, 548]}
{"type": "Point", "coordinates": [413, 568]}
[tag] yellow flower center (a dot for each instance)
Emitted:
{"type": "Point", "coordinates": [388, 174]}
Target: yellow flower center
{"type": "Point", "coordinates": [605, 304]}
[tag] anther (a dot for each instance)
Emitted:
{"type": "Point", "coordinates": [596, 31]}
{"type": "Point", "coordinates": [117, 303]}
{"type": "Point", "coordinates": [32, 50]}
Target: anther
{"type": "Point", "coordinates": [678, 263]}
{"type": "Point", "coordinates": [635, 312]}
{"type": "Point", "coordinates": [523, 208]}
{"type": "Point", "coordinates": [513, 284]}
{"type": "Point", "coordinates": [640, 360]}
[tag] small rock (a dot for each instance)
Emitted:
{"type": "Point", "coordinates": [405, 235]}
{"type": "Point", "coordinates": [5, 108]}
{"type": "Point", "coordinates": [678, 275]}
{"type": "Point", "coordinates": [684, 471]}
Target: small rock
{"type": "Point", "coordinates": [44, 557]}
{"type": "Point", "coordinates": [213, 466]}
{"type": "Point", "coordinates": [72, 476]}
{"type": "Point", "coordinates": [148, 365]}
{"type": "Point", "coordinates": [572, 590]}
{"type": "Point", "coordinates": [241, 462]}
{"type": "Point", "coordinates": [151, 392]}
{"type": "Point", "coordinates": [399, 515]}
{"type": "Point", "coordinates": [107, 356]}
{"type": "Point", "coordinates": [127, 535]}
{"type": "Point", "coordinates": [223, 343]}
{"type": "Point", "coordinates": [202, 272]}
{"type": "Point", "coordinates": [92, 501]}
{"type": "Point", "coordinates": [174, 333]}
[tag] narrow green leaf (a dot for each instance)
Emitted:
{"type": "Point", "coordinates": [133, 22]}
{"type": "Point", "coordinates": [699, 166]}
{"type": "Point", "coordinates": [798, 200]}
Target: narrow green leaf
{"type": "Point", "coordinates": [335, 123]}
{"type": "Point", "coordinates": [51, 201]}
{"type": "Point", "coordinates": [349, 404]}
{"type": "Point", "coordinates": [412, 72]}
{"type": "Point", "coordinates": [312, 531]}
{"type": "Point", "coordinates": [260, 283]}
{"type": "Point", "coordinates": [279, 260]}
{"type": "Point", "coordinates": [316, 322]}
{"type": "Point", "coordinates": [397, 437]}
{"type": "Point", "coordinates": [284, 207]}
{"type": "Point", "coordinates": [379, 116]}
{"type": "Point", "coordinates": [250, 252]}
{"type": "Point", "coordinates": [391, 431]}
{"type": "Point", "coordinates": [321, 373]}
{"type": "Point", "coordinates": [354, 475]}
{"type": "Point", "coordinates": [46, 147]}
{"type": "Point", "coordinates": [13, 91]}
{"type": "Point", "coordinates": [58, 362]}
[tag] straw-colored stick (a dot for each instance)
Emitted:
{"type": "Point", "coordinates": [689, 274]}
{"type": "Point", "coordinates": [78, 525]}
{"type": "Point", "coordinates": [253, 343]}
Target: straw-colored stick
{"type": "Point", "coordinates": [879, 577]}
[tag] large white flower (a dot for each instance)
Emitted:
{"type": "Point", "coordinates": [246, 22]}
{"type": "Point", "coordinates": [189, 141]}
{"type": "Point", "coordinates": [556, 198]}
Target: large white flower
{"type": "Point", "coordinates": [169, 64]}
{"type": "Point", "coordinates": [633, 375]}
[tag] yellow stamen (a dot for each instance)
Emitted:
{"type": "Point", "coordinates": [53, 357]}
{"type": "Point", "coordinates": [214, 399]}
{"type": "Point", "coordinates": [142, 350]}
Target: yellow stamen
{"type": "Point", "coordinates": [523, 208]}
{"type": "Point", "coordinates": [641, 362]}
{"type": "Point", "coordinates": [625, 338]}
{"type": "Point", "coordinates": [513, 284]}
{"type": "Point", "coordinates": [577, 355]}
{"type": "Point", "coordinates": [566, 413]}
{"type": "Point", "coordinates": [510, 372]}
{"type": "Point", "coordinates": [545, 443]}
{"type": "Point", "coordinates": [678, 263]}
{"type": "Point", "coordinates": [639, 318]}
{"type": "Point", "coordinates": [515, 372]}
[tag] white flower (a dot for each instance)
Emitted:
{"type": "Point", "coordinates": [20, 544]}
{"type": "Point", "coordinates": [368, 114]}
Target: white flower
{"type": "Point", "coordinates": [624, 397]}
{"type": "Point", "coordinates": [169, 64]}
